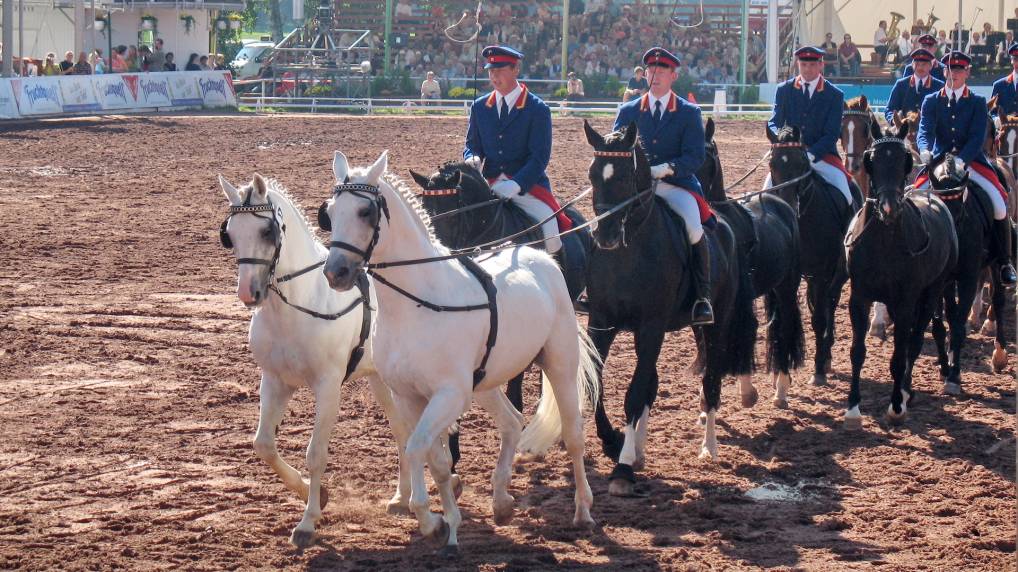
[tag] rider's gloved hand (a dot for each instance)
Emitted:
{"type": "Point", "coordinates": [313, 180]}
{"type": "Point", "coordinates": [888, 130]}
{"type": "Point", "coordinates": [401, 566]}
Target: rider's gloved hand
{"type": "Point", "coordinates": [959, 164]}
{"type": "Point", "coordinates": [812, 157]}
{"type": "Point", "coordinates": [661, 171]}
{"type": "Point", "coordinates": [925, 156]}
{"type": "Point", "coordinates": [474, 161]}
{"type": "Point", "coordinates": [507, 188]}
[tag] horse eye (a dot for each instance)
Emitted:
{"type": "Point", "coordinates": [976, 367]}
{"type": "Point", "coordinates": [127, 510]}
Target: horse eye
{"type": "Point", "coordinates": [268, 232]}
{"type": "Point", "coordinates": [364, 212]}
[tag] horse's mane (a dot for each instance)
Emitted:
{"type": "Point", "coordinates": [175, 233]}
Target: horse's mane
{"type": "Point", "coordinates": [404, 191]}
{"type": "Point", "coordinates": [274, 186]}
{"type": "Point", "coordinates": [858, 104]}
{"type": "Point", "coordinates": [786, 134]}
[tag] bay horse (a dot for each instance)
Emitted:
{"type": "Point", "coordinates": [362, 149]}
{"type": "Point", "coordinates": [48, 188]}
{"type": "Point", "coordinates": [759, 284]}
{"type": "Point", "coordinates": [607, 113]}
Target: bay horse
{"type": "Point", "coordinates": [972, 215]}
{"type": "Point", "coordinates": [900, 250]}
{"type": "Point", "coordinates": [823, 218]}
{"type": "Point", "coordinates": [303, 334]}
{"type": "Point", "coordinates": [767, 234]}
{"type": "Point", "coordinates": [857, 120]}
{"type": "Point", "coordinates": [438, 355]}
{"type": "Point", "coordinates": [639, 281]}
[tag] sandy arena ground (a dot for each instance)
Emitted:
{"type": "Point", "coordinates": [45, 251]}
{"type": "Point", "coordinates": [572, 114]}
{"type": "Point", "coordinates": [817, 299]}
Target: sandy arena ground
{"type": "Point", "coordinates": [128, 398]}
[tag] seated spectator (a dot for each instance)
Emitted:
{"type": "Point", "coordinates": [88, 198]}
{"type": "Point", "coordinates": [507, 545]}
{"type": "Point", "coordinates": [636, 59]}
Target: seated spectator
{"type": "Point", "coordinates": [880, 42]}
{"type": "Point", "coordinates": [430, 89]}
{"type": "Point", "coordinates": [830, 55]}
{"type": "Point", "coordinates": [574, 87]}
{"type": "Point", "coordinates": [637, 85]}
{"type": "Point", "coordinates": [849, 57]}
{"type": "Point", "coordinates": [49, 66]}
{"type": "Point", "coordinates": [82, 67]}
{"type": "Point", "coordinates": [67, 66]}
{"type": "Point", "coordinates": [168, 64]}
{"type": "Point", "coordinates": [192, 63]}
{"type": "Point", "coordinates": [28, 68]}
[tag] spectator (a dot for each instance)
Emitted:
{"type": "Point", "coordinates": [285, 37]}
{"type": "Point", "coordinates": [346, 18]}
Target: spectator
{"type": "Point", "coordinates": [145, 59]}
{"type": "Point", "coordinates": [50, 67]}
{"type": "Point", "coordinates": [942, 42]}
{"type": "Point", "coordinates": [880, 41]}
{"type": "Point", "coordinates": [82, 67]}
{"type": "Point", "coordinates": [28, 68]}
{"type": "Point", "coordinates": [830, 55]}
{"type": "Point", "coordinates": [849, 57]}
{"type": "Point", "coordinates": [220, 63]}
{"type": "Point", "coordinates": [203, 63]}
{"type": "Point", "coordinates": [118, 62]}
{"type": "Point", "coordinates": [1003, 58]}
{"type": "Point", "coordinates": [95, 59]}
{"type": "Point", "coordinates": [67, 66]}
{"type": "Point", "coordinates": [430, 89]}
{"type": "Point", "coordinates": [158, 57]}
{"type": "Point", "coordinates": [133, 65]}
{"type": "Point", "coordinates": [168, 64]}
{"type": "Point", "coordinates": [903, 48]}
{"type": "Point", "coordinates": [192, 63]}
{"type": "Point", "coordinates": [975, 40]}
{"type": "Point", "coordinates": [574, 87]}
{"type": "Point", "coordinates": [637, 85]}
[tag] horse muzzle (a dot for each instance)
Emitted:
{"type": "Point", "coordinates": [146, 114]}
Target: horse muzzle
{"type": "Point", "coordinates": [341, 271]}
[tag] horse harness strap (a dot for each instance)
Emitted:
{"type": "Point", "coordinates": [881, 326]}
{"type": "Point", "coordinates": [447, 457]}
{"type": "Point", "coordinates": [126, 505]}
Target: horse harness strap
{"type": "Point", "coordinates": [358, 352]}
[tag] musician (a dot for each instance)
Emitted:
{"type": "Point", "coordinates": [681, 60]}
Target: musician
{"type": "Point", "coordinates": [953, 120]}
{"type": "Point", "coordinates": [1005, 89]}
{"type": "Point", "coordinates": [929, 43]}
{"type": "Point", "coordinates": [509, 141]}
{"type": "Point", "coordinates": [671, 132]}
{"type": "Point", "coordinates": [908, 92]}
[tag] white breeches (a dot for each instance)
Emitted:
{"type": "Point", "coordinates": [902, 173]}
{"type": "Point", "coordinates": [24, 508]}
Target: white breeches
{"type": "Point", "coordinates": [829, 173]}
{"type": "Point", "coordinates": [537, 210]}
{"type": "Point", "coordinates": [999, 207]}
{"type": "Point", "coordinates": [682, 202]}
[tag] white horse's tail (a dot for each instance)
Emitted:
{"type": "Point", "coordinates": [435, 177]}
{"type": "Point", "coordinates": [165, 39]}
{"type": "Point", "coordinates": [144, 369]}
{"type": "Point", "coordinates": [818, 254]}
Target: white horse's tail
{"type": "Point", "coordinates": [545, 429]}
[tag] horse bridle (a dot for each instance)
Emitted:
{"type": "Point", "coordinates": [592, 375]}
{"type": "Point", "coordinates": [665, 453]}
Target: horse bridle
{"type": "Point", "coordinates": [637, 196]}
{"type": "Point", "coordinates": [1000, 138]}
{"type": "Point", "coordinates": [869, 124]}
{"type": "Point", "coordinates": [462, 209]}
{"type": "Point", "coordinates": [901, 200]}
{"type": "Point", "coordinates": [369, 193]}
{"type": "Point", "coordinates": [246, 208]}
{"type": "Point", "coordinates": [800, 192]}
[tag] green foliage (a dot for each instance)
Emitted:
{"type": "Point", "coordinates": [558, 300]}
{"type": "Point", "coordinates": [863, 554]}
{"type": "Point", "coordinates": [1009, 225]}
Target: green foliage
{"type": "Point", "coordinates": [462, 93]}
{"type": "Point", "coordinates": [560, 93]}
{"type": "Point", "coordinates": [750, 94]}
{"type": "Point", "coordinates": [601, 85]}
{"type": "Point", "coordinates": [320, 90]}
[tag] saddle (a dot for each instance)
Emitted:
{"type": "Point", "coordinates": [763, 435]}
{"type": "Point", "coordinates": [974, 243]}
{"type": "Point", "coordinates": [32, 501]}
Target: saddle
{"type": "Point", "coordinates": [676, 228]}
{"type": "Point", "coordinates": [740, 220]}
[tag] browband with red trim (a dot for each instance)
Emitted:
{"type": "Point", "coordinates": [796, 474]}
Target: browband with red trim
{"type": "Point", "coordinates": [438, 193]}
{"type": "Point", "coordinates": [786, 145]}
{"type": "Point", "coordinates": [613, 153]}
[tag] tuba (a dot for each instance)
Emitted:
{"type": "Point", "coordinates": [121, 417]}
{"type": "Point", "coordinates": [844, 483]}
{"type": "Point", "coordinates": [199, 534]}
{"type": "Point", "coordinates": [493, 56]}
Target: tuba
{"type": "Point", "coordinates": [892, 30]}
{"type": "Point", "coordinates": [930, 21]}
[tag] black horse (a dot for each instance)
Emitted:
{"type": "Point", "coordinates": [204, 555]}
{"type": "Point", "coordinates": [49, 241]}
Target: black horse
{"type": "Point", "coordinates": [900, 251]}
{"type": "Point", "coordinates": [639, 280]}
{"type": "Point", "coordinates": [823, 218]}
{"type": "Point", "coordinates": [767, 234]}
{"type": "Point", "coordinates": [973, 215]}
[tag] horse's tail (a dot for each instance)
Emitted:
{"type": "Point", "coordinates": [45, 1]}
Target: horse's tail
{"type": "Point", "coordinates": [545, 429]}
{"type": "Point", "coordinates": [743, 326]}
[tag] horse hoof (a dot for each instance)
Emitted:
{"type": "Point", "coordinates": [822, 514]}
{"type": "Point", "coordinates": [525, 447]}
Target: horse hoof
{"type": "Point", "coordinates": [708, 453]}
{"type": "Point", "coordinates": [750, 399]}
{"type": "Point", "coordinates": [639, 463]}
{"type": "Point", "coordinates": [397, 508]}
{"type": "Point", "coordinates": [819, 379]}
{"type": "Point", "coordinates": [853, 424]}
{"type": "Point", "coordinates": [951, 388]}
{"type": "Point", "coordinates": [584, 522]}
{"type": "Point", "coordinates": [440, 536]}
{"type": "Point", "coordinates": [620, 488]}
{"type": "Point", "coordinates": [323, 497]}
{"type": "Point", "coordinates": [302, 538]}
{"type": "Point", "coordinates": [780, 403]}
{"type": "Point", "coordinates": [449, 552]}
{"type": "Point", "coordinates": [702, 420]}
{"type": "Point", "coordinates": [503, 512]}
{"type": "Point", "coordinates": [999, 360]}
{"type": "Point", "coordinates": [989, 329]}
{"type": "Point", "coordinates": [457, 486]}
{"type": "Point", "coordinates": [895, 418]}
{"type": "Point", "coordinates": [878, 332]}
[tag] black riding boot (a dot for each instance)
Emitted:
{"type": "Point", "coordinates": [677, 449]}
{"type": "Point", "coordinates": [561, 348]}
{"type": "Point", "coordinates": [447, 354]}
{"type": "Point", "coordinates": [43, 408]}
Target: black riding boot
{"type": "Point", "coordinates": [1002, 236]}
{"type": "Point", "coordinates": [703, 313]}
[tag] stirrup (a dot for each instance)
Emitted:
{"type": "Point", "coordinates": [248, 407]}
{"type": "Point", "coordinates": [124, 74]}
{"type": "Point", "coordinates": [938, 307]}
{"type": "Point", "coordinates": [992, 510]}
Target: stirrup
{"type": "Point", "coordinates": [703, 313]}
{"type": "Point", "coordinates": [1007, 275]}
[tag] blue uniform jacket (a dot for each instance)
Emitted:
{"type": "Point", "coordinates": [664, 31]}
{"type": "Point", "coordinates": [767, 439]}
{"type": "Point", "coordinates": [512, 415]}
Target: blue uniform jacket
{"type": "Point", "coordinates": [960, 129]}
{"type": "Point", "coordinates": [1007, 96]}
{"type": "Point", "coordinates": [818, 118]}
{"type": "Point", "coordinates": [677, 139]}
{"type": "Point", "coordinates": [936, 71]}
{"type": "Point", "coordinates": [519, 146]}
{"type": "Point", "coordinates": [905, 97]}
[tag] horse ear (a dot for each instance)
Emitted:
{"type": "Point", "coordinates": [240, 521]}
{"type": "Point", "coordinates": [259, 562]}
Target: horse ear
{"type": "Point", "coordinates": [229, 190]}
{"type": "Point", "coordinates": [708, 130]}
{"type": "Point", "coordinates": [593, 137]}
{"type": "Point", "coordinates": [261, 188]}
{"type": "Point", "coordinates": [378, 167]}
{"type": "Point", "coordinates": [796, 134]}
{"type": "Point", "coordinates": [992, 104]}
{"type": "Point", "coordinates": [903, 133]}
{"type": "Point", "coordinates": [340, 167]}
{"type": "Point", "coordinates": [771, 136]}
{"type": "Point", "coordinates": [459, 179]}
{"type": "Point", "coordinates": [875, 130]}
{"type": "Point", "coordinates": [908, 163]}
{"type": "Point", "coordinates": [864, 102]}
{"type": "Point", "coordinates": [420, 179]}
{"type": "Point", "coordinates": [896, 119]}
{"type": "Point", "coordinates": [630, 138]}
{"type": "Point", "coordinates": [867, 161]}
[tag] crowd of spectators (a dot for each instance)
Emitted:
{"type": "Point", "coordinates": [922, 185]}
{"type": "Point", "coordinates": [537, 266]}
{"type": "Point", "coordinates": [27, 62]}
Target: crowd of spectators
{"type": "Point", "coordinates": [986, 45]}
{"type": "Point", "coordinates": [124, 59]}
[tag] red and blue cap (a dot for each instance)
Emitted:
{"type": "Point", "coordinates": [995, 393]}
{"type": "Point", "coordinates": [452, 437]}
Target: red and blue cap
{"type": "Point", "coordinates": [1012, 50]}
{"type": "Point", "coordinates": [922, 55]}
{"type": "Point", "coordinates": [500, 56]}
{"type": "Point", "coordinates": [809, 53]}
{"type": "Point", "coordinates": [658, 56]}
{"type": "Point", "coordinates": [927, 40]}
{"type": "Point", "coordinates": [956, 59]}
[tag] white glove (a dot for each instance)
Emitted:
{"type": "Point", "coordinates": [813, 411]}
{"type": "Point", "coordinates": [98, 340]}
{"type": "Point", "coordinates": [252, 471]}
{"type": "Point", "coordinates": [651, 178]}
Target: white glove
{"type": "Point", "coordinates": [959, 164]}
{"type": "Point", "coordinates": [661, 171]}
{"type": "Point", "coordinates": [474, 161]}
{"type": "Point", "coordinates": [996, 121]}
{"type": "Point", "coordinates": [812, 158]}
{"type": "Point", "coordinates": [506, 189]}
{"type": "Point", "coordinates": [925, 156]}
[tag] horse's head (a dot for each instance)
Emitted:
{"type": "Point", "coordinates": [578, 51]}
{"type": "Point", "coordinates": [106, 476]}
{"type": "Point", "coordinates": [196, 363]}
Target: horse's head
{"type": "Point", "coordinates": [455, 185]}
{"type": "Point", "coordinates": [354, 217]}
{"type": "Point", "coordinates": [254, 230]}
{"type": "Point", "coordinates": [859, 128]}
{"type": "Point", "coordinates": [888, 163]}
{"type": "Point", "coordinates": [617, 174]}
{"type": "Point", "coordinates": [788, 161]}
{"type": "Point", "coordinates": [709, 174]}
{"type": "Point", "coordinates": [1007, 141]}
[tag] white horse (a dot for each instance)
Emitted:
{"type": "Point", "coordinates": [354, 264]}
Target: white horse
{"type": "Point", "coordinates": [274, 244]}
{"type": "Point", "coordinates": [430, 359]}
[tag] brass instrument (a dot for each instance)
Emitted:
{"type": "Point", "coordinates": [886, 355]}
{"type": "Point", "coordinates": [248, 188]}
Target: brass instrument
{"type": "Point", "coordinates": [892, 30]}
{"type": "Point", "coordinates": [930, 21]}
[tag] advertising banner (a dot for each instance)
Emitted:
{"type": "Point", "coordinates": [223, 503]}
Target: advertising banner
{"type": "Point", "coordinates": [78, 94]}
{"type": "Point", "coordinates": [153, 90]}
{"type": "Point", "coordinates": [113, 92]}
{"type": "Point", "coordinates": [217, 89]}
{"type": "Point", "coordinates": [183, 88]}
{"type": "Point", "coordinates": [37, 95]}
{"type": "Point", "coordinates": [8, 105]}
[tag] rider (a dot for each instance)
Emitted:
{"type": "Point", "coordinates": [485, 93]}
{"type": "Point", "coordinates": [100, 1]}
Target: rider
{"type": "Point", "coordinates": [908, 92]}
{"type": "Point", "coordinates": [671, 133]}
{"type": "Point", "coordinates": [509, 141]}
{"type": "Point", "coordinates": [1005, 89]}
{"type": "Point", "coordinates": [929, 43]}
{"type": "Point", "coordinates": [810, 103]}
{"type": "Point", "coordinates": [953, 121]}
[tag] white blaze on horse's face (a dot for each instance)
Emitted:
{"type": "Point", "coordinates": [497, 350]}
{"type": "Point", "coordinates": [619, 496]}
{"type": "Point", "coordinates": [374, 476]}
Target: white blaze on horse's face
{"type": "Point", "coordinates": [252, 237]}
{"type": "Point", "coordinates": [607, 173]}
{"type": "Point", "coordinates": [1012, 142]}
{"type": "Point", "coordinates": [351, 218]}
{"type": "Point", "coordinates": [850, 145]}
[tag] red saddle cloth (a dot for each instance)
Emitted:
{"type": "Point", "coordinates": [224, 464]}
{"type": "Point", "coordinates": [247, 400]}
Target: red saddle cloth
{"type": "Point", "coordinates": [544, 195]}
{"type": "Point", "coordinates": [987, 172]}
